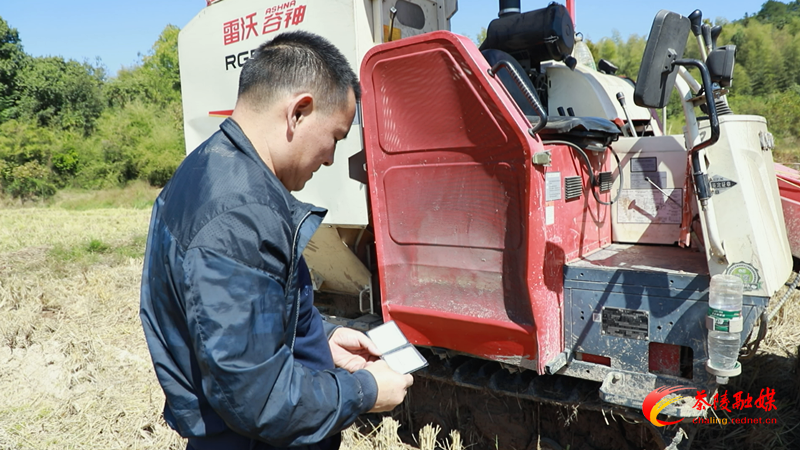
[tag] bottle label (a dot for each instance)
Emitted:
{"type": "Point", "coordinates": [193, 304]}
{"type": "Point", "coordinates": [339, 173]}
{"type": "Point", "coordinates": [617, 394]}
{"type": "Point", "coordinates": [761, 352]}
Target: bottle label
{"type": "Point", "coordinates": [722, 319]}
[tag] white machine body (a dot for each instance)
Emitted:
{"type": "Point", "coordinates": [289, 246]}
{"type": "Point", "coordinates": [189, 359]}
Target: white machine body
{"type": "Point", "coordinates": [747, 206]}
{"type": "Point", "coordinates": [650, 203]}
{"type": "Point", "coordinates": [594, 94]}
{"type": "Point", "coordinates": [224, 35]}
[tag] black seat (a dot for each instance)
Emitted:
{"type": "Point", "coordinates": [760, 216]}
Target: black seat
{"type": "Point", "coordinates": [588, 132]}
{"type": "Point", "coordinates": [592, 133]}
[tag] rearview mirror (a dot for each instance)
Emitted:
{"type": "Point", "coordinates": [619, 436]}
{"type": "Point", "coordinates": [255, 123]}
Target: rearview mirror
{"type": "Point", "coordinates": [666, 43]}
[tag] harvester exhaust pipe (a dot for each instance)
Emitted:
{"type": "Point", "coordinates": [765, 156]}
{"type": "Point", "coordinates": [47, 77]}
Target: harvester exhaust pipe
{"type": "Point", "coordinates": [508, 7]}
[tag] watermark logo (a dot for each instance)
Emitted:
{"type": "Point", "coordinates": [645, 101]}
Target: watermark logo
{"type": "Point", "coordinates": [657, 400]}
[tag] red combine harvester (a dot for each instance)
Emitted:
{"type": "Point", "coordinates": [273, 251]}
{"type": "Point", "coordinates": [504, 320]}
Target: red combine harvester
{"type": "Point", "coordinates": [789, 187]}
{"type": "Point", "coordinates": [534, 234]}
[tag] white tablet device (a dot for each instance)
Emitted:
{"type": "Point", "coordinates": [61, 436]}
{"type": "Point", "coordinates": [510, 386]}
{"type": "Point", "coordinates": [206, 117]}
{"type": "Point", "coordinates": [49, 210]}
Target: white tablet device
{"type": "Point", "coordinates": [395, 349]}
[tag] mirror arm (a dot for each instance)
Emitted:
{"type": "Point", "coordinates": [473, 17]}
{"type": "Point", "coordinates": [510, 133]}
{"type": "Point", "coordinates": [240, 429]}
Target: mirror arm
{"type": "Point", "coordinates": [710, 104]}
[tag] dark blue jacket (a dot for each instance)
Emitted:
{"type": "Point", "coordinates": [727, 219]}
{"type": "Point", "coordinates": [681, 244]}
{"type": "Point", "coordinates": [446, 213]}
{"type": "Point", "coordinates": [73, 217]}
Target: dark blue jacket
{"type": "Point", "coordinates": [226, 307]}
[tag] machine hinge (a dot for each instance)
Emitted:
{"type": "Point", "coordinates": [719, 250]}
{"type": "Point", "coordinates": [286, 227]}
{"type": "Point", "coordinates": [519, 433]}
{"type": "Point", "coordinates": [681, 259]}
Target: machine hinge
{"type": "Point", "coordinates": [767, 141]}
{"type": "Point", "coordinates": [542, 158]}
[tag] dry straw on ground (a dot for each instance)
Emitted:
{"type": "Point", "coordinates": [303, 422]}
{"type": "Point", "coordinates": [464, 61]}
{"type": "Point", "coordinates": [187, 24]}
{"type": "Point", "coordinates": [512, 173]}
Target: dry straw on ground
{"type": "Point", "coordinates": [774, 367]}
{"type": "Point", "coordinates": [75, 372]}
{"type": "Point", "coordinates": [74, 368]}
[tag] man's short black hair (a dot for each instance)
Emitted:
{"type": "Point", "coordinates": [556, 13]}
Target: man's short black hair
{"type": "Point", "coordinates": [294, 62]}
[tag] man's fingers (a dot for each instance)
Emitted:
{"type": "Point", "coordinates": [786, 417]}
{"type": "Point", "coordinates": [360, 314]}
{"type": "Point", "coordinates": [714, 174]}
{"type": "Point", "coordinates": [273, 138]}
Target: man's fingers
{"type": "Point", "coordinates": [370, 346]}
{"type": "Point", "coordinates": [365, 342]}
{"type": "Point", "coordinates": [354, 340]}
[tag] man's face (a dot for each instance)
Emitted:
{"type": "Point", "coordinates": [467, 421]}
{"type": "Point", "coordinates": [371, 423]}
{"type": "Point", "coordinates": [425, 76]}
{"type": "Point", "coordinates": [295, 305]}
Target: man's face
{"type": "Point", "coordinates": [315, 140]}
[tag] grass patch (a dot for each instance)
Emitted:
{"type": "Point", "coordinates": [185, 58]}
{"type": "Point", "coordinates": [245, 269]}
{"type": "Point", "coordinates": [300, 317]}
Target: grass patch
{"type": "Point", "coordinates": [76, 373]}
{"type": "Point", "coordinates": [63, 255]}
{"type": "Point", "coordinates": [135, 195]}
{"type": "Point", "coordinates": [123, 230]}
{"type": "Point", "coordinates": [96, 251]}
{"type": "Point", "coordinates": [133, 248]}
{"type": "Point", "coordinates": [97, 246]}
{"type": "Point", "coordinates": [787, 152]}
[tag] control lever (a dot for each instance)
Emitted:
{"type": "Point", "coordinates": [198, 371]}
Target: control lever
{"type": "Point", "coordinates": [707, 37]}
{"type": "Point", "coordinates": [392, 15]}
{"type": "Point", "coordinates": [621, 100]}
{"type": "Point", "coordinates": [696, 19]}
{"type": "Point", "coordinates": [716, 30]}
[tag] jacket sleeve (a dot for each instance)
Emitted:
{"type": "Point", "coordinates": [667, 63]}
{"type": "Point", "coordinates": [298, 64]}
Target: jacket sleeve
{"type": "Point", "coordinates": [236, 316]}
{"type": "Point", "coordinates": [327, 327]}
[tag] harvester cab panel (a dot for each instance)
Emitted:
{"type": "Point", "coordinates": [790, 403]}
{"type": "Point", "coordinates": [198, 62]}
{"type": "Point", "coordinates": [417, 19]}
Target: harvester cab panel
{"type": "Point", "coordinates": [513, 207]}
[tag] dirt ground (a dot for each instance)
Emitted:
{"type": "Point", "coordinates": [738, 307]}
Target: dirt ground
{"type": "Point", "coordinates": [75, 372]}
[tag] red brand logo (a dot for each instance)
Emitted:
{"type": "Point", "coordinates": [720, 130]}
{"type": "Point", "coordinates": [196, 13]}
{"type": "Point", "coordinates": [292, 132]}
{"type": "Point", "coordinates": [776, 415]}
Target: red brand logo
{"type": "Point", "coordinates": [657, 400]}
{"type": "Point", "coordinates": [275, 18]}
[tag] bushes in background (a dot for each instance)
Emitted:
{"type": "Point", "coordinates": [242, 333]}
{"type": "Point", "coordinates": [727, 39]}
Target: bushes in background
{"type": "Point", "coordinates": [64, 124]}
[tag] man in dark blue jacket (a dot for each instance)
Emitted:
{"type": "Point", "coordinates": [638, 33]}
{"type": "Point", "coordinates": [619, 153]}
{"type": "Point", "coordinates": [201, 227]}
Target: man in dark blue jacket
{"type": "Point", "coordinates": [243, 356]}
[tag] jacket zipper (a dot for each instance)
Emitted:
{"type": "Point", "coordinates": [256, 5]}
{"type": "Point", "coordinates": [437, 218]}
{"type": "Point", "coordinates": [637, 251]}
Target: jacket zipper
{"type": "Point", "coordinates": [291, 274]}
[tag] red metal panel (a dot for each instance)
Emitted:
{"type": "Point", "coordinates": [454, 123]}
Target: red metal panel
{"type": "Point", "coordinates": [665, 359]}
{"type": "Point", "coordinates": [465, 257]}
{"type": "Point", "coordinates": [579, 226]}
{"type": "Point", "coordinates": [478, 209]}
{"type": "Point", "coordinates": [596, 359]}
{"type": "Point", "coordinates": [789, 187]}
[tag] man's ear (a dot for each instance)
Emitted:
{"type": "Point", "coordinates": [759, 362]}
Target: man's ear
{"type": "Point", "coordinates": [299, 107]}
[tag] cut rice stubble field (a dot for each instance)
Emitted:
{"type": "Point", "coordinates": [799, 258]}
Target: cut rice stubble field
{"type": "Point", "coordinates": [75, 372]}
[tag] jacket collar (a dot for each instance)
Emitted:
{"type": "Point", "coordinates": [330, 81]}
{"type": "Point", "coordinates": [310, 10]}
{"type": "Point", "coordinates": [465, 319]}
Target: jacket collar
{"type": "Point", "coordinates": [299, 210]}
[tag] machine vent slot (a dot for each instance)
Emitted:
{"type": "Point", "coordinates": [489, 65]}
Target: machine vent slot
{"type": "Point", "coordinates": [606, 181]}
{"type": "Point", "coordinates": [573, 186]}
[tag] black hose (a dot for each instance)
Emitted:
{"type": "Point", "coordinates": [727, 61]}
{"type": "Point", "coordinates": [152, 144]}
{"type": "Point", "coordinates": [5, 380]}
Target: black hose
{"type": "Point", "coordinates": [792, 286]}
{"type": "Point", "coordinates": [750, 349]}
{"type": "Point", "coordinates": [531, 96]}
{"type": "Point", "coordinates": [766, 316]}
{"type": "Point", "coordinates": [592, 179]}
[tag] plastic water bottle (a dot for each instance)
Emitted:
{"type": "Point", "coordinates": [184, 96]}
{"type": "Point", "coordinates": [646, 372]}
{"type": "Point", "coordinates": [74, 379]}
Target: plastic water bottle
{"type": "Point", "coordinates": [723, 349]}
{"type": "Point", "coordinates": [582, 53]}
{"type": "Point", "coordinates": [724, 325]}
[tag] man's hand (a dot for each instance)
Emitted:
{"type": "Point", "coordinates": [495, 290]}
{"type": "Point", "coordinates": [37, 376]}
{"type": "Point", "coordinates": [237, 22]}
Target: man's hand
{"type": "Point", "coordinates": [392, 386]}
{"type": "Point", "coordinates": [352, 350]}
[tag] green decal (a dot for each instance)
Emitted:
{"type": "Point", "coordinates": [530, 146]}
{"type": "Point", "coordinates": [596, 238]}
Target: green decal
{"type": "Point", "coordinates": [747, 273]}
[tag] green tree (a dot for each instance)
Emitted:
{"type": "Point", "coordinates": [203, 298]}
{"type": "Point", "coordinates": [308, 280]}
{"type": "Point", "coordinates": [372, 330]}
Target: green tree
{"type": "Point", "coordinates": [138, 141]}
{"type": "Point", "coordinates": [60, 93]}
{"type": "Point", "coordinates": [625, 54]}
{"type": "Point", "coordinates": [25, 151]}
{"type": "Point", "coordinates": [778, 13]}
{"type": "Point", "coordinates": [12, 58]}
{"type": "Point", "coordinates": [481, 36]}
{"type": "Point", "coordinates": [156, 80]}
{"type": "Point", "coordinates": [62, 123]}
